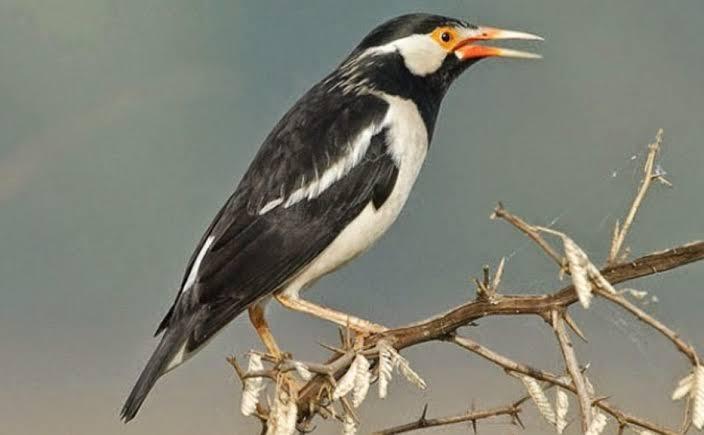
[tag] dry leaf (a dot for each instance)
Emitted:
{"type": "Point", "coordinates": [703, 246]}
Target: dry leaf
{"type": "Point", "coordinates": [346, 382]}
{"type": "Point", "coordinates": [698, 398]}
{"type": "Point", "coordinates": [252, 386]}
{"type": "Point", "coordinates": [638, 294]}
{"type": "Point", "coordinates": [406, 370]}
{"type": "Point", "coordinates": [562, 404]}
{"type": "Point", "coordinates": [302, 371]}
{"type": "Point", "coordinates": [598, 425]}
{"type": "Point", "coordinates": [349, 426]}
{"type": "Point", "coordinates": [538, 395]}
{"type": "Point", "coordinates": [386, 366]}
{"type": "Point", "coordinates": [578, 264]}
{"type": "Point", "coordinates": [361, 381]}
{"type": "Point", "coordinates": [283, 415]}
{"type": "Point", "coordinates": [599, 279]}
{"type": "Point", "coordinates": [683, 387]}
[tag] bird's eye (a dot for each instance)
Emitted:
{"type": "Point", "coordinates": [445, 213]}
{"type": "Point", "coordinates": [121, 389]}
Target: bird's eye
{"type": "Point", "coordinates": [446, 36]}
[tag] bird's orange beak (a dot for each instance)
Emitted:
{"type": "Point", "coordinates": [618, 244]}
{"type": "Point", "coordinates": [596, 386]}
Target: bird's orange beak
{"type": "Point", "coordinates": [466, 49]}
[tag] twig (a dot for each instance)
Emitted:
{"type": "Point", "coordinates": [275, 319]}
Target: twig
{"type": "Point", "coordinates": [646, 318]}
{"type": "Point", "coordinates": [530, 230]}
{"type": "Point", "coordinates": [513, 366]}
{"type": "Point", "coordinates": [620, 234]}
{"type": "Point", "coordinates": [423, 422]}
{"type": "Point", "coordinates": [568, 354]}
{"type": "Point", "coordinates": [442, 326]}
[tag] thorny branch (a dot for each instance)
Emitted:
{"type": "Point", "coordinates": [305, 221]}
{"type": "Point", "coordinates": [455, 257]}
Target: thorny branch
{"type": "Point", "coordinates": [542, 375]}
{"type": "Point", "coordinates": [648, 176]}
{"type": "Point", "coordinates": [585, 402]}
{"type": "Point", "coordinates": [315, 396]}
{"type": "Point", "coordinates": [511, 410]}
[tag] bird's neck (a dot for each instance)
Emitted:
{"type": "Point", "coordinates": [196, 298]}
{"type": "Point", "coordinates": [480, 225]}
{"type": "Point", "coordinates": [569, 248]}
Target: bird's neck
{"type": "Point", "coordinates": [388, 74]}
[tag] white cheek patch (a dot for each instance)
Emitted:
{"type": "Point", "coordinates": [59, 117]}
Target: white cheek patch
{"type": "Point", "coordinates": [421, 54]}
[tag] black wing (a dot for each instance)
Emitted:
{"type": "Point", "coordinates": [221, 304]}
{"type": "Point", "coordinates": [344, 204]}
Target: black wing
{"type": "Point", "coordinates": [253, 254]}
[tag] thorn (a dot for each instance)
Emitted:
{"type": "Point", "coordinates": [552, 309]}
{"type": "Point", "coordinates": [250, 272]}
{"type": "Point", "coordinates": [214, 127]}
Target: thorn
{"type": "Point", "coordinates": [331, 348]}
{"type": "Point", "coordinates": [423, 414]}
{"type": "Point", "coordinates": [341, 334]}
{"type": "Point", "coordinates": [474, 426]}
{"type": "Point", "coordinates": [617, 229]}
{"type": "Point", "coordinates": [482, 290]}
{"type": "Point", "coordinates": [663, 181]}
{"type": "Point", "coordinates": [517, 420]}
{"type": "Point", "coordinates": [596, 400]}
{"type": "Point", "coordinates": [487, 281]}
{"type": "Point", "coordinates": [498, 275]}
{"type": "Point", "coordinates": [573, 325]}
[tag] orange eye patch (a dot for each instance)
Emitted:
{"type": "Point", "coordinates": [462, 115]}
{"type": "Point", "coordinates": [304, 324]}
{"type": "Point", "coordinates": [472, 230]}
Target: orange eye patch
{"type": "Point", "coordinates": [446, 37]}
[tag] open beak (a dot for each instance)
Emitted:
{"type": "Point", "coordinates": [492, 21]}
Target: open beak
{"type": "Point", "coordinates": [466, 49]}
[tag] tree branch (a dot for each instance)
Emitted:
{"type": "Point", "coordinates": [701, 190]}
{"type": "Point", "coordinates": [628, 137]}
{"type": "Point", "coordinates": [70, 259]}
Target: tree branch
{"type": "Point", "coordinates": [442, 326]}
{"type": "Point", "coordinates": [542, 375]}
{"type": "Point", "coordinates": [620, 234]}
{"type": "Point", "coordinates": [585, 402]}
{"type": "Point", "coordinates": [422, 423]}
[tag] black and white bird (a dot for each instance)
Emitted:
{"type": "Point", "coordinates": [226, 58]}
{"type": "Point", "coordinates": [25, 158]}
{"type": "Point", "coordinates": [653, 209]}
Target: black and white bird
{"type": "Point", "coordinates": [328, 181]}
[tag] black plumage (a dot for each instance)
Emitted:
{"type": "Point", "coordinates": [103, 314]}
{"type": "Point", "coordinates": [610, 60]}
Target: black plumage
{"type": "Point", "coordinates": [253, 254]}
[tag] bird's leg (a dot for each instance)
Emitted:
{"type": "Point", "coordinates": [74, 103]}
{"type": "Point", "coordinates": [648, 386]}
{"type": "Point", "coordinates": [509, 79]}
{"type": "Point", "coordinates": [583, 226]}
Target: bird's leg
{"type": "Point", "coordinates": [358, 325]}
{"type": "Point", "coordinates": [256, 316]}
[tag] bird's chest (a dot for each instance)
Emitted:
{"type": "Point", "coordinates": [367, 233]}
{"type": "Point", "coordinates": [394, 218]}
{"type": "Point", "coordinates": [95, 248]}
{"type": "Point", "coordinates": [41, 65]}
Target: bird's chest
{"type": "Point", "coordinates": [408, 145]}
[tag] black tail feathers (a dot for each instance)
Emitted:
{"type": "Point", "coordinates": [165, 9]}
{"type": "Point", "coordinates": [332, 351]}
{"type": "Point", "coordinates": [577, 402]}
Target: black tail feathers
{"type": "Point", "coordinates": [171, 343]}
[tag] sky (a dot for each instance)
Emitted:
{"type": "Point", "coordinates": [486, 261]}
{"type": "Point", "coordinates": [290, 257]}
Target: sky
{"type": "Point", "coordinates": [124, 126]}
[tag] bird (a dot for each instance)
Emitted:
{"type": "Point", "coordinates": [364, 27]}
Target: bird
{"type": "Point", "coordinates": [327, 182]}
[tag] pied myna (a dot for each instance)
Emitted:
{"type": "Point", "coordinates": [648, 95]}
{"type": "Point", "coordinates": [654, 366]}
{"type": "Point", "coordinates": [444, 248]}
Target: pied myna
{"type": "Point", "coordinates": [328, 181]}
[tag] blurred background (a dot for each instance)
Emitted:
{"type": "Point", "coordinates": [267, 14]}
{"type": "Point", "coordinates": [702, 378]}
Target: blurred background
{"type": "Point", "coordinates": [124, 125]}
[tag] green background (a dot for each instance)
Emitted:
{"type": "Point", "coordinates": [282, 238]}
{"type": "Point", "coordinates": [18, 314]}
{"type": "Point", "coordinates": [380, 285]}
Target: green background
{"type": "Point", "coordinates": [125, 124]}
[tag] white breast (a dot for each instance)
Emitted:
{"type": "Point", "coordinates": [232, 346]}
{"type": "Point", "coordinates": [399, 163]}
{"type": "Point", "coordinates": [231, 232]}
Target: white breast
{"type": "Point", "coordinates": [408, 145]}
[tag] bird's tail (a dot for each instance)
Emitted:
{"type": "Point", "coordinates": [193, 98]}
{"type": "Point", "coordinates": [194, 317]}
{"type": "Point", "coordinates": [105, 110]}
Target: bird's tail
{"type": "Point", "coordinates": [173, 342]}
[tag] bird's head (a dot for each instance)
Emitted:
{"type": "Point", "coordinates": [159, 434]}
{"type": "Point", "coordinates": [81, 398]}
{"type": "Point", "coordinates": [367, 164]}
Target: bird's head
{"type": "Point", "coordinates": [434, 47]}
